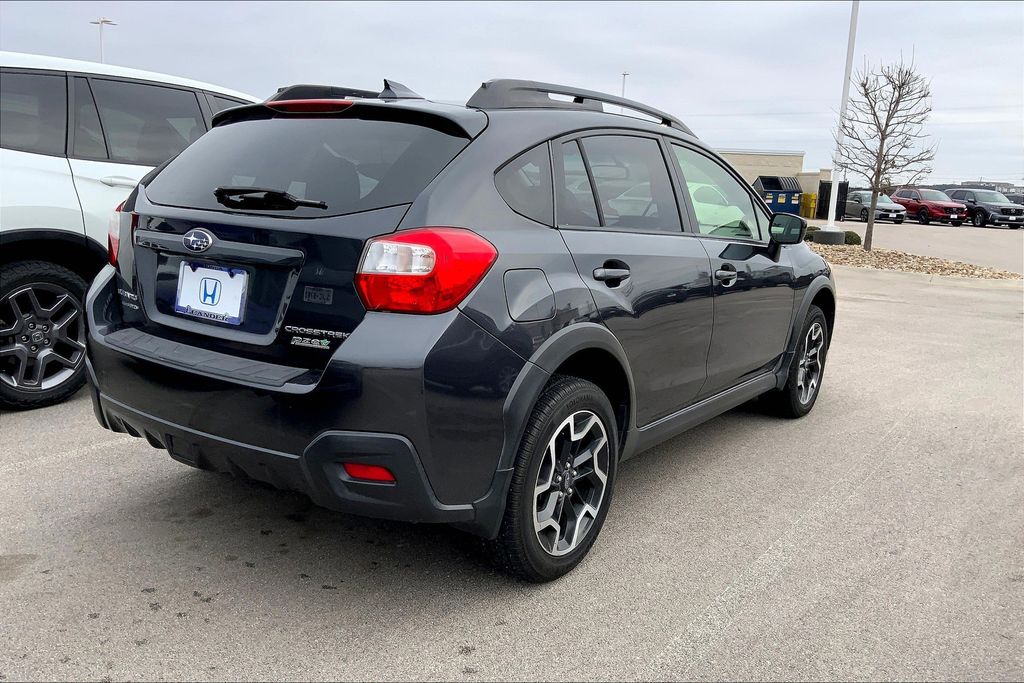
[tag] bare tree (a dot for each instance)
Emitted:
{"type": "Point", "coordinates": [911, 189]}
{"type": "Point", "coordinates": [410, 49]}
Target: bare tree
{"type": "Point", "coordinates": [882, 130]}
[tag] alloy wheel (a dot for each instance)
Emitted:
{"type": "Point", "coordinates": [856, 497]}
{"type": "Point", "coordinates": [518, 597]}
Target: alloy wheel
{"type": "Point", "coordinates": [42, 336]}
{"type": "Point", "coordinates": [864, 215]}
{"type": "Point", "coordinates": [571, 483]}
{"type": "Point", "coordinates": [809, 373]}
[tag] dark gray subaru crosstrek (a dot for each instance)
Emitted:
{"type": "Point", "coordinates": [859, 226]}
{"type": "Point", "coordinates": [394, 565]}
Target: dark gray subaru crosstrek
{"type": "Point", "coordinates": [462, 314]}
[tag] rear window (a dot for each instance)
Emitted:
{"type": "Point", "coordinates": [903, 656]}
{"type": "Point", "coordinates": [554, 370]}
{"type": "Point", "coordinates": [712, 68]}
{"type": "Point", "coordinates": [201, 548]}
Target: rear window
{"type": "Point", "coordinates": [350, 164]}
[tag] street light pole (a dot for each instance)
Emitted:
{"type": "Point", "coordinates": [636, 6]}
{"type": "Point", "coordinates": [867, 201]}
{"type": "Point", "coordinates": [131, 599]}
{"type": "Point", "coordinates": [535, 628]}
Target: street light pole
{"type": "Point", "coordinates": [101, 22]}
{"type": "Point", "coordinates": [833, 194]}
{"type": "Point", "coordinates": [624, 74]}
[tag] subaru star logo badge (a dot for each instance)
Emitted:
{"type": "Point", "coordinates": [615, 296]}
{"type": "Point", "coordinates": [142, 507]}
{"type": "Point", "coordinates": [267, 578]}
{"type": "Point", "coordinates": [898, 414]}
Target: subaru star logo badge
{"type": "Point", "coordinates": [197, 240]}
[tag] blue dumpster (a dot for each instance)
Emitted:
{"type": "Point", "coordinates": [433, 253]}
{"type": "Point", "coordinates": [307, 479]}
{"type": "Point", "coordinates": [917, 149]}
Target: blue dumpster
{"type": "Point", "coordinates": [781, 193]}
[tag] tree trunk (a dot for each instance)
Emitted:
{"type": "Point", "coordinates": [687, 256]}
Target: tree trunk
{"type": "Point", "coordinates": [871, 221]}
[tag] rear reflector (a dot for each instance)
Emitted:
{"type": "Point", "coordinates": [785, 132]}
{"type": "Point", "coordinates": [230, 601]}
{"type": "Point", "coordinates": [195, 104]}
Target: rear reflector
{"type": "Point", "coordinates": [358, 470]}
{"type": "Point", "coordinates": [427, 270]}
{"type": "Point", "coordinates": [310, 106]}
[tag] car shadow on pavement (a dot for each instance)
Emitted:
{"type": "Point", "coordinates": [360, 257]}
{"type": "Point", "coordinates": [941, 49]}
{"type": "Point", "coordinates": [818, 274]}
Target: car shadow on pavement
{"type": "Point", "coordinates": [227, 530]}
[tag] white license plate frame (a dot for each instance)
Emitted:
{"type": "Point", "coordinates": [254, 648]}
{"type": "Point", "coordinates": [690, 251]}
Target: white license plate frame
{"type": "Point", "coordinates": [211, 292]}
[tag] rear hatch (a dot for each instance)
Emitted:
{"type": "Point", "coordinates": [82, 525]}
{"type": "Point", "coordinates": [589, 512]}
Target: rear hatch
{"type": "Point", "coordinates": [246, 244]}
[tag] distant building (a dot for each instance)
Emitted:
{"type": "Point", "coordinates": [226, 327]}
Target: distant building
{"type": "Point", "coordinates": [752, 163]}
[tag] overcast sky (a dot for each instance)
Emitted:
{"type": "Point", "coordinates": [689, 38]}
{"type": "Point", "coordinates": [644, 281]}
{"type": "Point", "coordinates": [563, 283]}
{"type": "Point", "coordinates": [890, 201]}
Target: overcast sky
{"type": "Point", "coordinates": [763, 76]}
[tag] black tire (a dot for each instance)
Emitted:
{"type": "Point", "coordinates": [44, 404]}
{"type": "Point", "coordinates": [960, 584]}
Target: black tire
{"type": "Point", "coordinates": [517, 548]}
{"type": "Point", "coordinates": [922, 217]}
{"type": "Point", "coordinates": [978, 220]}
{"type": "Point", "coordinates": [48, 282]}
{"type": "Point", "coordinates": [864, 215]}
{"type": "Point", "coordinates": [956, 224]}
{"type": "Point", "coordinates": [788, 401]}
{"type": "Point", "coordinates": [897, 220]}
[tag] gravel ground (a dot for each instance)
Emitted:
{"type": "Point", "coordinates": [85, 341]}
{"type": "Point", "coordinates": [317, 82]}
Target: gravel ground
{"type": "Point", "coordinates": [888, 259]}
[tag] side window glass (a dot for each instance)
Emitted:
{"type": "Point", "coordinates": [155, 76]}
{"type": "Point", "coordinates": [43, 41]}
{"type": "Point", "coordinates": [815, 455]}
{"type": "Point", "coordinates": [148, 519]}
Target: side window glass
{"type": "Point", "coordinates": [576, 205]}
{"type": "Point", "coordinates": [632, 183]}
{"type": "Point", "coordinates": [33, 112]}
{"type": "Point", "coordinates": [147, 124]}
{"type": "Point", "coordinates": [525, 184]}
{"type": "Point", "coordinates": [722, 205]}
{"type": "Point", "coordinates": [88, 134]}
{"type": "Point", "coordinates": [218, 104]}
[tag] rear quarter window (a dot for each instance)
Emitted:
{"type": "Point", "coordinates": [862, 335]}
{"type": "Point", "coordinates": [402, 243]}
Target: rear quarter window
{"type": "Point", "coordinates": [350, 164]}
{"type": "Point", "coordinates": [525, 185]}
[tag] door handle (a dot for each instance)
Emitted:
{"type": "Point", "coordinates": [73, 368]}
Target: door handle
{"type": "Point", "coordinates": [605, 274]}
{"type": "Point", "coordinates": [726, 277]}
{"type": "Point", "coordinates": [118, 181]}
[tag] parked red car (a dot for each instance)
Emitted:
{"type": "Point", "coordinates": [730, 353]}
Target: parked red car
{"type": "Point", "coordinates": [930, 205]}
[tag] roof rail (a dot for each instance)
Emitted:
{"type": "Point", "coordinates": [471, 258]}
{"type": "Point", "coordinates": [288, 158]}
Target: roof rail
{"type": "Point", "coordinates": [508, 93]}
{"type": "Point", "coordinates": [393, 90]}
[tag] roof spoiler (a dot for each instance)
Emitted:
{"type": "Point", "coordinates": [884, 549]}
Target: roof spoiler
{"type": "Point", "coordinates": [393, 90]}
{"type": "Point", "coordinates": [507, 93]}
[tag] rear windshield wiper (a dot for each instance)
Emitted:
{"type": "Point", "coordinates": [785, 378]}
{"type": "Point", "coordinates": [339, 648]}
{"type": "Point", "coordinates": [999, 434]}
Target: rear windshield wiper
{"type": "Point", "coordinates": [262, 198]}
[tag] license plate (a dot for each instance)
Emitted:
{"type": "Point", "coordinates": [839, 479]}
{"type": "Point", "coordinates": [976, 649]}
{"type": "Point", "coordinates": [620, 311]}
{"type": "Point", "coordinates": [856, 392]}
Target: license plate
{"type": "Point", "coordinates": [953, 215]}
{"type": "Point", "coordinates": [213, 293]}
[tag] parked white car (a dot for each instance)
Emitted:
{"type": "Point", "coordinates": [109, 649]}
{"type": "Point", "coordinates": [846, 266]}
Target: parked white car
{"type": "Point", "coordinates": [75, 139]}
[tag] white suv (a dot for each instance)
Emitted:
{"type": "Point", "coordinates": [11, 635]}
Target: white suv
{"type": "Point", "coordinates": [75, 139]}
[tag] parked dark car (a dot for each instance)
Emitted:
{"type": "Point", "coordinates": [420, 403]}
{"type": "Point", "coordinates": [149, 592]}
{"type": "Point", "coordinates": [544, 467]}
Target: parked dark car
{"type": "Point", "coordinates": [858, 203]}
{"type": "Point", "coordinates": [989, 206]}
{"type": "Point", "coordinates": [930, 205]}
{"type": "Point", "coordinates": [433, 313]}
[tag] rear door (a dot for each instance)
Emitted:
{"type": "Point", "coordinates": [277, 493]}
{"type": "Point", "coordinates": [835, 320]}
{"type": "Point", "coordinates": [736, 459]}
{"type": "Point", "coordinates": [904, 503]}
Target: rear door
{"type": "Point", "coordinates": [753, 284]}
{"type": "Point", "coordinates": [120, 130]}
{"type": "Point", "coordinates": [36, 190]}
{"type": "Point", "coordinates": [617, 212]}
{"type": "Point", "coordinates": [854, 203]}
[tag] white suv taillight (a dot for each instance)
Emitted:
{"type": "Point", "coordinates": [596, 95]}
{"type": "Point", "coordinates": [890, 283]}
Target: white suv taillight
{"type": "Point", "coordinates": [427, 270]}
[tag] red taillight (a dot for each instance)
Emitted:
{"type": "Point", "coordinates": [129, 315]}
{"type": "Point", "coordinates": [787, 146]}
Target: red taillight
{"type": "Point", "coordinates": [114, 235]}
{"type": "Point", "coordinates": [427, 270]}
{"type": "Point", "coordinates": [358, 470]}
{"type": "Point", "coordinates": [310, 106]}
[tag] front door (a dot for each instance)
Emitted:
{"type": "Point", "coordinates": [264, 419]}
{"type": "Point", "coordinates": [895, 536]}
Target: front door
{"type": "Point", "coordinates": [753, 283]}
{"type": "Point", "coordinates": [651, 281]}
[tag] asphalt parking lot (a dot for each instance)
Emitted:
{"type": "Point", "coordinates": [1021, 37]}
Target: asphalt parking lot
{"type": "Point", "coordinates": [880, 537]}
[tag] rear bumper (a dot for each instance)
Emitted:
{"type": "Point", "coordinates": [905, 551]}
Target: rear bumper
{"type": "Point", "coordinates": [428, 397]}
{"type": "Point", "coordinates": [317, 471]}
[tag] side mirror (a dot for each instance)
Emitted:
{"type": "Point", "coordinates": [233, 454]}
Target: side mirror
{"type": "Point", "coordinates": [856, 200]}
{"type": "Point", "coordinates": [971, 201]}
{"type": "Point", "coordinates": [787, 228]}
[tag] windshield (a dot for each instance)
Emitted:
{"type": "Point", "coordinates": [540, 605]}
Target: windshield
{"type": "Point", "coordinates": [990, 196]}
{"type": "Point", "coordinates": [348, 164]}
{"type": "Point", "coordinates": [884, 199]}
{"type": "Point", "coordinates": [935, 196]}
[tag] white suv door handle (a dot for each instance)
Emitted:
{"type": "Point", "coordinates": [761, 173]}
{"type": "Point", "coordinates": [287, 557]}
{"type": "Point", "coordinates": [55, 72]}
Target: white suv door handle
{"type": "Point", "coordinates": [119, 181]}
